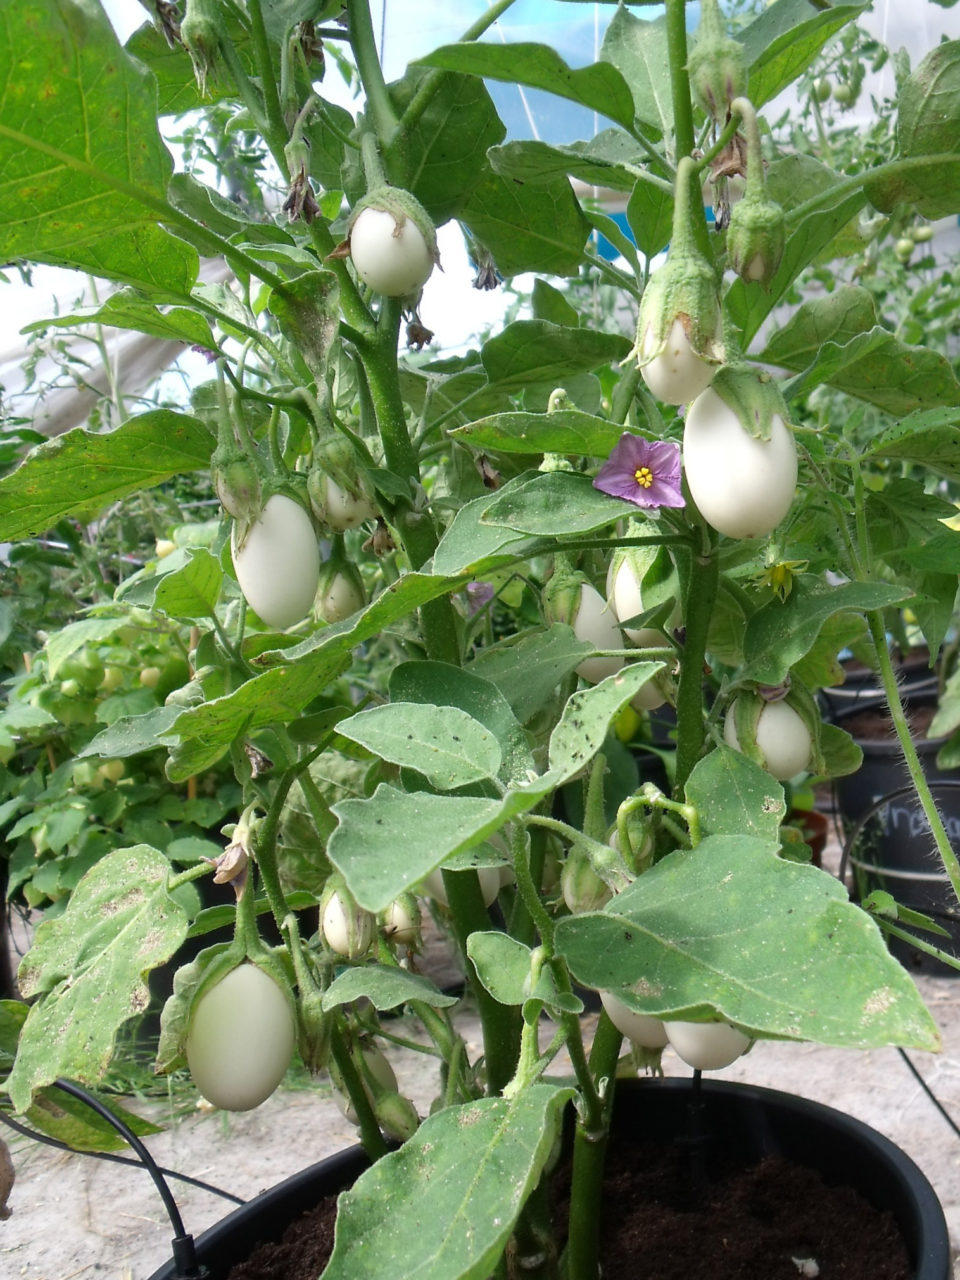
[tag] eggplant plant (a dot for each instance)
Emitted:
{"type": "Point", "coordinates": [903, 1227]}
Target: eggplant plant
{"type": "Point", "coordinates": [442, 585]}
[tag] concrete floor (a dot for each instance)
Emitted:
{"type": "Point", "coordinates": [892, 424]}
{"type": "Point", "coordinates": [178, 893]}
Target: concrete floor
{"type": "Point", "coordinates": [76, 1217]}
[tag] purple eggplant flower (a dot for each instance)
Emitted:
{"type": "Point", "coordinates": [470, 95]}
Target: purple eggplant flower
{"type": "Point", "coordinates": [646, 472]}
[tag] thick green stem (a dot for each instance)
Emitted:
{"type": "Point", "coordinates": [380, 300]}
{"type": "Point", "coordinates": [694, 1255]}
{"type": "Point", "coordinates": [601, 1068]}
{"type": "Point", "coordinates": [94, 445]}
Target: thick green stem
{"type": "Point", "coordinates": [915, 768]}
{"type": "Point", "coordinates": [501, 1023]}
{"type": "Point", "coordinates": [699, 595]}
{"type": "Point", "coordinates": [679, 80]}
{"type": "Point", "coordinates": [268, 79]}
{"type": "Point", "coordinates": [589, 1154]}
{"type": "Point", "coordinates": [370, 1134]}
{"type": "Point", "coordinates": [368, 64]}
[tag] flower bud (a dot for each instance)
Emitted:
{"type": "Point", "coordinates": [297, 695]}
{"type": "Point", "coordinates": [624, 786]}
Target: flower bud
{"type": "Point", "coordinates": [200, 36]}
{"type": "Point", "coordinates": [313, 1031]}
{"type": "Point", "coordinates": [717, 65]}
{"type": "Point", "coordinates": [755, 239]}
{"type": "Point", "coordinates": [400, 923]}
{"type": "Point", "coordinates": [396, 1115]}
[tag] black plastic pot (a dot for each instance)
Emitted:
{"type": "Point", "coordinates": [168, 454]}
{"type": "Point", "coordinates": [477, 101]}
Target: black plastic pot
{"type": "Point", "coordinates": [862, 689]}
{"type": "Point", "coordinates": [737, 1117]}
{"type": "Point", "coordinates": [888, 840]}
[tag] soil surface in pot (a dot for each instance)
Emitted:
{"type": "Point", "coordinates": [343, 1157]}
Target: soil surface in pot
{"type": "Point", "coordinates": [662, 1220]}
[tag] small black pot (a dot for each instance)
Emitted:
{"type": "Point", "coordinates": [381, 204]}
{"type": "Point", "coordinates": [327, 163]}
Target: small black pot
{"type": "Point", "coordinates": [862, 689]}
{"type": "Point", "coordinates": [739, 1117]}
{"type": "Point", "coordinates": [888, 842]}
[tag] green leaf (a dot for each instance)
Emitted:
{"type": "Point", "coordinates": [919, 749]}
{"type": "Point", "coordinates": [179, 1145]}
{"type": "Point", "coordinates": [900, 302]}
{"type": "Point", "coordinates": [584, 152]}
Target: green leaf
{"type": "Point", "coordinates": [731, 930]}
{"type": "Point", "coordinates": [445, 744]}
{"type": "Point", "coordinates": [930, 439]}
{"type": "Point", "coordinates": [448, 686]}
{"type": "Point", "coordinates": [587, 718]}
{"type": "Point", "coordinates": [71, 1120]}
{"type": "Point", "coordinates": [556, 503]}
{"type": "Point", "coordinates": [126, 309]}
{"type": "Point", "coordinates": [841, 755]}
{"type": "Point", "coordinates": [598, 86]}
{"type": "Point", "coordinates": [565, 431]}
{"type": "Point", "coordinates": [650, 214]}
{"type": "Point", "coordinates": [378, 866]}
{"type": "Point", "coordinates": [384, 988]}
{"type": "Point", "coordinates": [281, 693]}
{"type": "Point", "coordinates": [173, 70]}
{"type": "Point", "coordinates": [638, 49]}
{"type": "Point", "coordinates": [780, 634]}
{"type": "Point", "coordinates": [471, 546]}
{"type": "Point", "coordinates": [503, 967]}
{"type": "Point", "coordinates": [445, 152]}
{"type": "Point", "coordinates": [528, 667]}
{"type": "Point", "coordinates": [446, 1203]}
{"type": "Point", "coordinates": [534, 351]}
{"type": "Point", "coordinates": [192, 591]}
{"type": "Point", "coordinates": [131, 735]}
{"type": "Point", "coordinates": [529, 227]}
{"type": "Point", "coordinates": [837, 340]}
{"type": "Point", "coordinates": [76, 635]}
{"type": "Point", "coordinates": [83, 471]}
{"type": "Point", "coordinates": [84, 167]}
{"type": "Point", "coordinates": [734, 796]}
{"type": "Point", "coordinates": [929, 104]}
{"type": "Point", "coordinates": [783, 41]}
{"type": "Point", "coordinates": [308, 313]}
{"type": "Point", "coordinates": [611, 159]}
{"type": "Point", "coordinates": [88, 966]}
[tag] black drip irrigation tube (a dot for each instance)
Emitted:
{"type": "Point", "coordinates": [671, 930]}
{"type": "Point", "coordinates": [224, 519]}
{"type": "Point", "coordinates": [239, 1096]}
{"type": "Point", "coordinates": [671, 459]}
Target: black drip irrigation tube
{"type": "Point", "coordinates": [183, 1246]}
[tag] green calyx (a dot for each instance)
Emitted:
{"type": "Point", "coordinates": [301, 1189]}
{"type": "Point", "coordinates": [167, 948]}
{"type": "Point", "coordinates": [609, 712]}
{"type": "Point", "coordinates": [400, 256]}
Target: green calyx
{"type": "Point", "coordinates": [756, 239]}
{"type": "Point", "coordinates": [757, 233]}
{"type": "Point", "coordinates": [401, 205]}
{"type": "Point", "coordinates": [753, 396]}
{"type": "Point", "coordinates": [686, 287]}
{"type": "Point", "coordinates": [561, 595]}
{"type": "Point", "coordinates": [717, 65]}
{"type": "Point", "coordinates": [238, 480]}
{"type": "Point", "coordinates": [200, 36]}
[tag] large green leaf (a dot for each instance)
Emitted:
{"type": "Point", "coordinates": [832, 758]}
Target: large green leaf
{"type": "Point", "coordinates": [536, 351]}
{"type": "Point", "coordinates": [445, 1204]}
{"type": "Point", "coordinates": [638, 49]}
{"type": "Point", "coordinates": [126, 309]}
{"type": "Point", "coordinates": [131, 735]}
{"type": "Point", "coordinates": [445, 744]}
{"type": "Point", "coordinates": [587, 718]}
{"type": "Point", "coordinates": [527, 668]}
{"type": "Point", "coordinates": [837, 340]}
{"type": "Point", "coordinates": [384, 987]}
{"type": "Point", "coordinates": [599, 86]}
{"type": "Point", "coordinates": [84, 169]}
{"type": "Point", "coordinates": [556, 503]}
{"type": "Point", "coordinates": [444, 685]}
{"type": "Point", "coordinates": [503, 966]}
{"type": "Point", "coordinates": [611, 159]}
{"type": "Point", "coordinates": [386, 844]}
{"type": "Point", "coordinates": [470, 545]}
{"type": "Point", "coordinates": [929, 105]}
{"type": "Point", "coordinates": [729, 929]}
{"type": "Point", "coordinates": [527, 227]}
{"type": "Point", "coordinates": [734, 796]}
{"type": "Point", "coordinates": [783, 41]}
{"type": "Point", "coordinates": [929, 438]}
{"type": "Point", "coordinates": [565, 431]}
{"type": "Point", "coordinates": [191, 591]}
{"type": "Point", "coordinates": [82, 472]}
{"type": "Point", "coordinates": [446, 149]}
{"type": "Point", "coordinates": [87, 965]}
{"type": "Point", "coordinates": [782, 632]}
{"type": "Point", "coordinates": [281, 693]}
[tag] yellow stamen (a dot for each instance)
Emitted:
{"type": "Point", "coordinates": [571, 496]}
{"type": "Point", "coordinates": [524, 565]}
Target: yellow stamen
{"type": "Point", "coordinates": [643, 477]}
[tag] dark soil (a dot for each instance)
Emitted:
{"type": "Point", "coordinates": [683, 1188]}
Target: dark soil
{"type": "Point", "coordinates": [874, 724]}
{"type": "Point", "coordinates": [770, 1221]}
